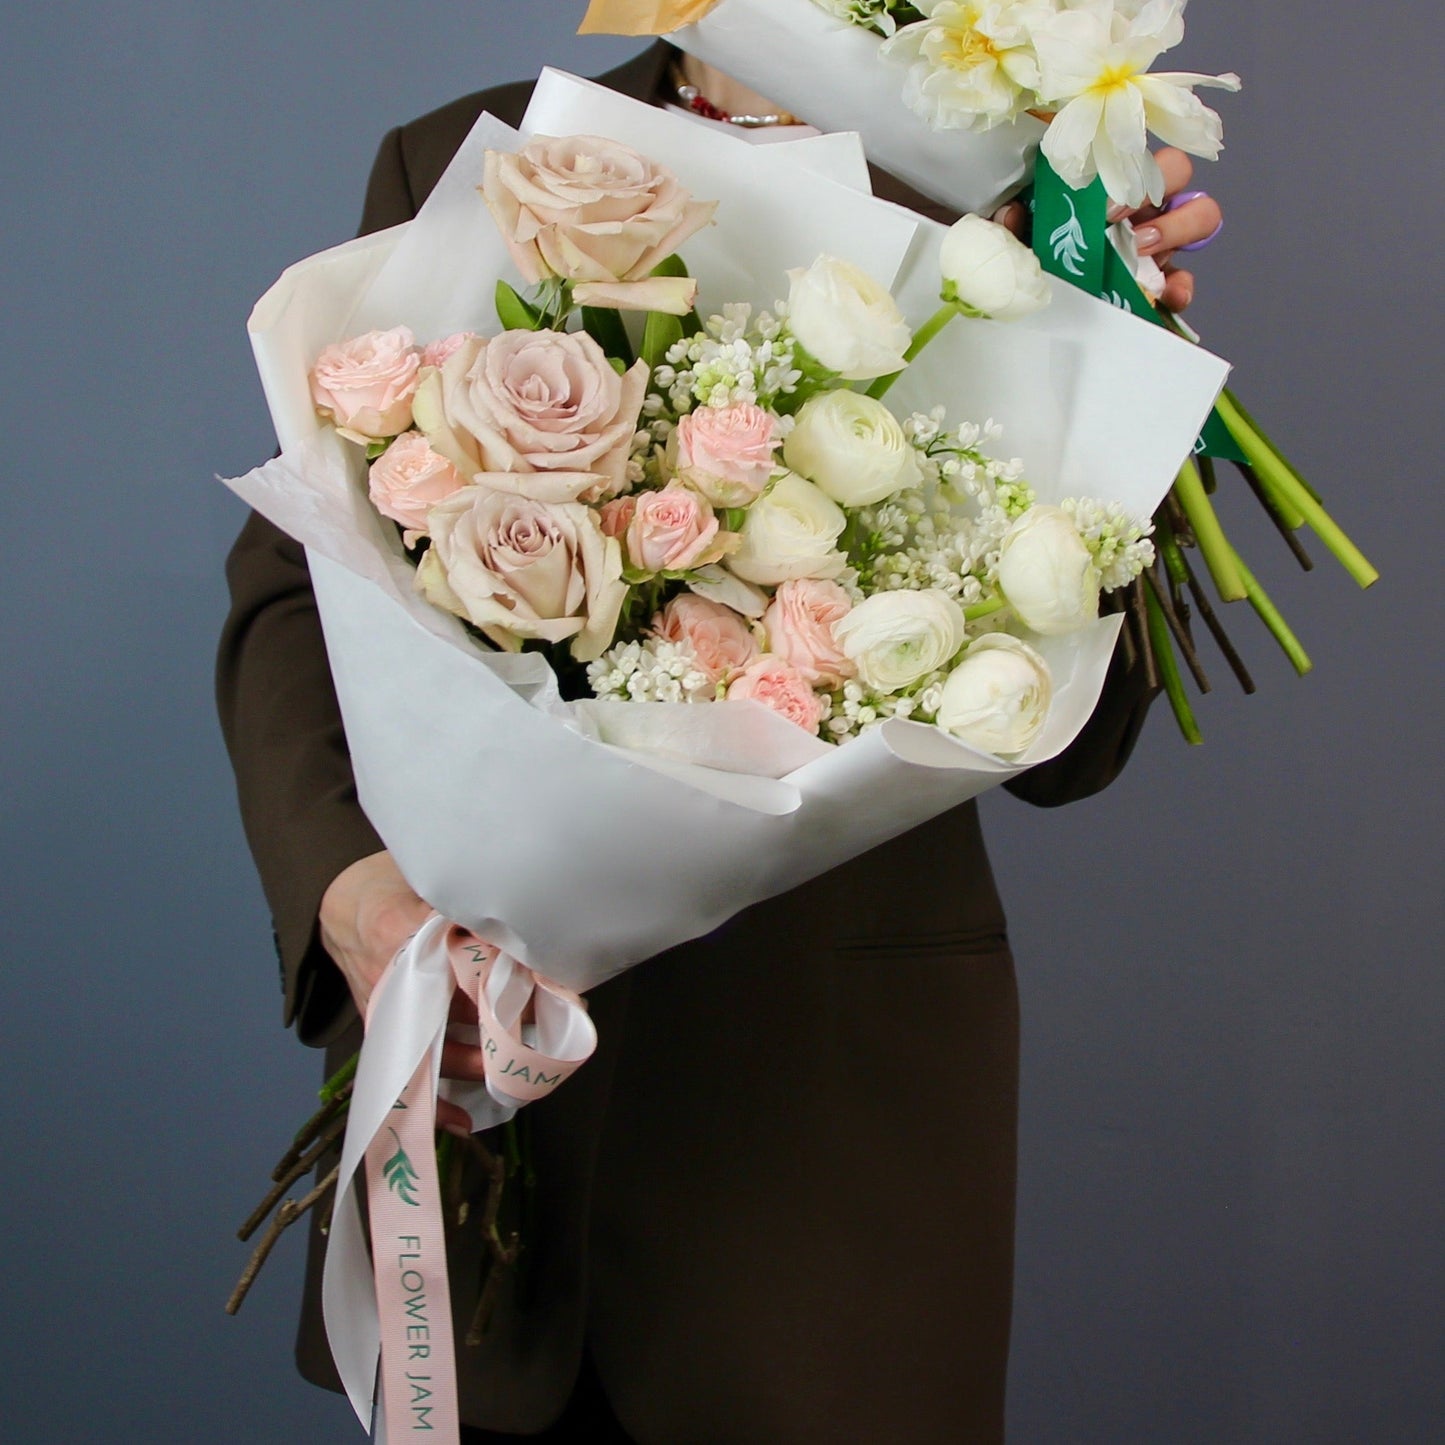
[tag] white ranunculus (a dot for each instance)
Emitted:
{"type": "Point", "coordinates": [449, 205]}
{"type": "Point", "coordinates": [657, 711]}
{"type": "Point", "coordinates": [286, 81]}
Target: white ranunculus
{"type": "Point", "coordinates": [852, 447]}
{"type": "Point", "coordinates": [989, 271]}
{"type": "Point", "coordinates": [998, 697]}
{"type": "Point", "coordinates": [896, 638]}
{"type": "Point", "coordinates": [791, 531]}
{"type": "Point", "coordinates": [844, 319]}
{"type": "Point", "coordinates": [1047, 573]}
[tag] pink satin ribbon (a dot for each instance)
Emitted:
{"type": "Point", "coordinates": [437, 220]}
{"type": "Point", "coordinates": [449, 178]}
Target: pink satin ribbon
{"type": "Point", "coordinates": [408, 1243]}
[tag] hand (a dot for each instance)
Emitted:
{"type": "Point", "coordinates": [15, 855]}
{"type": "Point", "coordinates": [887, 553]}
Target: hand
{"type": "Point", "coordinates": [1158, 234]}
{"type": "Point", "coordinates": [367, 914]}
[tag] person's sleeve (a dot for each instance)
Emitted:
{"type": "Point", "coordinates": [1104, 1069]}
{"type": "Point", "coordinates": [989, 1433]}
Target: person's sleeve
{"type": "Point", "coordinates": [282, 724]}
{"type": "Point", "coordinates": [1097, 756]}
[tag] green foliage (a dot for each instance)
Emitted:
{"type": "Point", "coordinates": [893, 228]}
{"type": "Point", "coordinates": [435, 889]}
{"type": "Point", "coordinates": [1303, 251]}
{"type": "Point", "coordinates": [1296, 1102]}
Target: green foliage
{"type": "Point", "coordinates": [513, 312]}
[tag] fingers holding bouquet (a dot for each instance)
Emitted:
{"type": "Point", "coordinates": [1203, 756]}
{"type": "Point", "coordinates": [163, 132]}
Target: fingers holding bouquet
{"type": "Point", "coordinates": [1185, 221]}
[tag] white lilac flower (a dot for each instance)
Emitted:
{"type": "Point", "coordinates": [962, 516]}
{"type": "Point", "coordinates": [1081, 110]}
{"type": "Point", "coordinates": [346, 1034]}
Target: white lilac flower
{"type": "Point", "coordinates": [1119, 543]}
{"type": "Point", "coordinates": [1094, 60]}
{"type": "Point", "coordinates": [971, 62]}
{"type": "Point", "coordinates": [649, 671]}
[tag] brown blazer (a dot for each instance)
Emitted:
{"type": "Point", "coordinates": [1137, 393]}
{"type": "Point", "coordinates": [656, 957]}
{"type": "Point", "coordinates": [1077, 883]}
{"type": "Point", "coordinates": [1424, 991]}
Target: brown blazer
{"type": "Point", "coordinates": [766, 1235]}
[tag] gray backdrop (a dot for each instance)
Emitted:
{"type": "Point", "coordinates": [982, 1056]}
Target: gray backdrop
{"type": "Point", "coordinates": [1230, 1221]}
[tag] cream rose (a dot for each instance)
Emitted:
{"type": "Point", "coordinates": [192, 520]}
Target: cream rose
{"type": "Point", "coordinates": [896, 638]}
{"type": "Point", "coordinates": [365, 385]}
{"type": "Point", "coordinates": [598, 214]}
{"type": "Point", "coordinates": [720, 641]}
{"type": "Point", "coordinates": [539, 413]}
{"type": "Point", "coordinates": [998, 697]}
{"type": "Point", "coordinates": [1047, 573]}
{"type": "Point", "coordinates": [791, 531]}
{"type": "Point", "coordinates": [673, 530]}
{"type": "Point", "coordinates": [852, 447]}
{"type": "Point", "coordinates": [409, 478]}
{"type": "Point", "coordinates": [520, 569]}
{"type": "Point", "coordinates": [770, 681]}
{"type": "Point", "coordinates": [844, 319]}
{"type": "Point", "coordinates": [726, 453]}
{"type": "Point", "coordinates": [799, 624]}
{"type": "Point", "coordinates": [989, 272]}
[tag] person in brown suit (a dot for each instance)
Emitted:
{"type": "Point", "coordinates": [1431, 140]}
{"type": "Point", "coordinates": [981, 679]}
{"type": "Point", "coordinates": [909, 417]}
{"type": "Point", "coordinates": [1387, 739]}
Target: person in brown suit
{"type": "Point", "coordinates": [744, 1234]}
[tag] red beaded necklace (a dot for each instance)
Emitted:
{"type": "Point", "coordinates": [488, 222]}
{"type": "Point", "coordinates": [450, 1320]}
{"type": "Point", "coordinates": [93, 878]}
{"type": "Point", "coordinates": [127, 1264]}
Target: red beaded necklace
{"type": "Point", "coordinates": [689, 95]}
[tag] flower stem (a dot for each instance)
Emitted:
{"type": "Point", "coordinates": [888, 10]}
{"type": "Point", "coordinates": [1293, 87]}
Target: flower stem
{"type": "Point", "coordinates": [921, 338]}
{"type": "Point", "coordinates": [1169, 673]}
{"type": "Point", "coordinates": [986, 608]}
{"type": "Point", "coordinates": [1270, 615]}
{"type": "Point", "coordinates": [1291, 494]}
{"type": "Point", "coordinates": [1219, 556]}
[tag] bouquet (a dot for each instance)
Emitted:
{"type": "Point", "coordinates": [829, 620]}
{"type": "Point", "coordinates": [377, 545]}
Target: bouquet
{"type": "Point", "coordinates": [639, 621]}
{"type": "Point", "coordinates": [970, 100]}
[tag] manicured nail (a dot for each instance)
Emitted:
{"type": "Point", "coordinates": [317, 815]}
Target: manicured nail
{"type": "Point", "coordinates": [1186, 295]}
{"type": "Point", "coordinates": [1116, 212]}
{"type": "Point", "coordinates": [459, 1131]}
{"type": "Point", "coordinates": [1147, 237]}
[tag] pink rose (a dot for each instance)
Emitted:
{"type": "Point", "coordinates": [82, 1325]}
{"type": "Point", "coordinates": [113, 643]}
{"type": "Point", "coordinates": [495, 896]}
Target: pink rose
{"type": "Point", "coordinates": [596, 213]}
{"type": "Point", "coordinates": [435, 353]}
{"type": "Point", "coordinates": [727, 452]}
{"type": "Point", "coordinates": [799, 623]}
{"type": "Point", "coordinates": [720, 641]}
{"type": "Point", "coordinates": [520, 569]}
{"type": "Point", "coordinates": [770, 681]}
{"type": "Point", "coordinates": [365, 385]}
{"type": "Point", "coordinates": [538, 413]}
{"type": "Point", "coordinates": [672, 530]}
{"type": "Point", "coordinates": [408, 478]}
{"type": "Point", "coordinates": [616, 515]}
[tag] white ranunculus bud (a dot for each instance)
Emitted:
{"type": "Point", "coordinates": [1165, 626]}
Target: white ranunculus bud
{"type": "Point", "coordinates": [791, 531]}
{"type": "Point", "coordinates": [896, 638]}
{"type": "Point", "coordinates": [998, 697]}
{"type": "Point", "coordinates": [852, 447]}
{"type": "Point", "coordinates": [844, 319]}
{"type": "Point", "coordinates": [989, 271]}
{"type": "Point", "coordinates": [1047, 573]}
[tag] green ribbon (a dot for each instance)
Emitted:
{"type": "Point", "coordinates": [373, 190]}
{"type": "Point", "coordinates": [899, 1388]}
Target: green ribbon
{"type": "Point", "coordinates": [1071, 241]}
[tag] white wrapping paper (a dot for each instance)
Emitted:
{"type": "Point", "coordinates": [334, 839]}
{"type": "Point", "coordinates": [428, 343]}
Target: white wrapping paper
{"type": "Point", "coordinates": [830, 73]}
{"type": "Point", "coordinates": [582, 838]}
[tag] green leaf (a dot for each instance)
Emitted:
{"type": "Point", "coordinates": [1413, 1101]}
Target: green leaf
{"type": "Point", "coordinates": [513, 312]}
{"type": "Point", "coordinates": [660, 334]}
{"type": "Point", "coordinates": [604, 326]}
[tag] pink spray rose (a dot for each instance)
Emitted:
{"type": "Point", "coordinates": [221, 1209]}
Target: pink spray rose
{"type": "Point", "coordinates": [672, 530]}
{"type": "Point", "coordinates": [720, 641]}
{"type": "Point", "coordinates": [616, 515]}
{"type": "Point", "coordinates": [770, 681]}
{"type": "Point", "coordinates": [799, 623]}
{"type": "Point", "coordinates": [521, 569]}
{"type": "Point", "coordinates": [538, 413]}
{"type": "Point", "coordinates": [408, 478]}
{"type": "Point", "coordinates": [435, 353]}
{"type": "Point", "coordinates": [366, 385]}
{"type": "Point", "coordinates": [726, 452]}
{"type": "Point", "coordinates": [595, 213]}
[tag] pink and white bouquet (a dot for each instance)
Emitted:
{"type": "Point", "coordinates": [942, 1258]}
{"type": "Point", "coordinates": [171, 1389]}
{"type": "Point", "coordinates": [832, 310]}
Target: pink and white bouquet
{"type": "Point", "coordinates": [637, 624]}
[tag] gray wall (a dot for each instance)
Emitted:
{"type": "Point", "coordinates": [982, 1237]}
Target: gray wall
{"type": "Point", "coordinates": [1231, 1206]}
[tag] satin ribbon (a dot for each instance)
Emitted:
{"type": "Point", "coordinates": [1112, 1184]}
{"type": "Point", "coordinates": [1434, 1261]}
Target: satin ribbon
{"type": "Point", "coordinates": [642, 17]}
{"type": "Point", "coordinates": [392, 1303]}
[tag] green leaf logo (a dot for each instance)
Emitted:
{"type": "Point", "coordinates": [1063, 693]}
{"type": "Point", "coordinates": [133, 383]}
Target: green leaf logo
{"type": "Point", "coordinates": [401, 1177]}
{"type": "Point", "coordinates": [1067, 241]}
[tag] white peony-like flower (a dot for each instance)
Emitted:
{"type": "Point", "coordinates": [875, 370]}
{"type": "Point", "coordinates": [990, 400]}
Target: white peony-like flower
{"type": "Point", "coordinates": [1047, 572]}
{"type": "Point", "coordinates": [971, 62]}
{"type": "Point", "coordinates": [997, 699]}
{"type": "Point", "coordinates": [791, 531]}
{"type": "Point", "coordinates": [988, 271]}
{"type": "Point", "coordinates": [843, 318]}
{"type": "Point", "coordinates": [896, 638]}
{"type": "Point", "coordinates": [852, 447]}
{"type": "Point", "coordinates": [1093, 61]}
